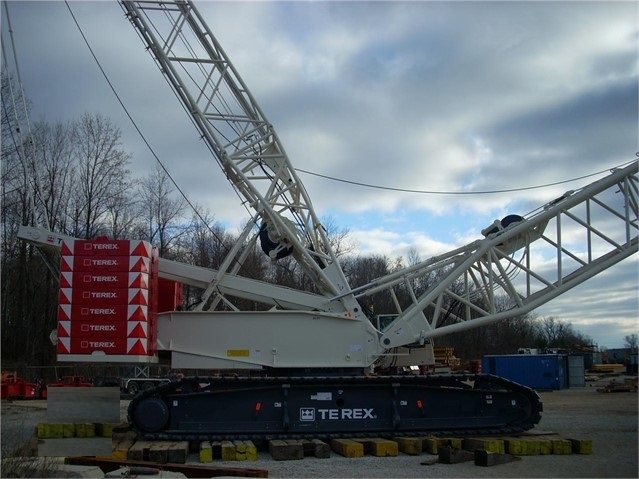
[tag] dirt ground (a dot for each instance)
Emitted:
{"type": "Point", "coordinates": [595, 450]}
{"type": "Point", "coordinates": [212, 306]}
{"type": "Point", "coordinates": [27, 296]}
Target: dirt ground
{"type": "Point", "coordinates": [609, 420]}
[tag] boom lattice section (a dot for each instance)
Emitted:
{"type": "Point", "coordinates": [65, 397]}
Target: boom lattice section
{"type": "Point", "coordinates": [242, 140]}
{"type": "Point", "coordinates": [518, 268]}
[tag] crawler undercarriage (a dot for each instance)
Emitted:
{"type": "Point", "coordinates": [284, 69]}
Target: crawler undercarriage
{"type": "Point", "coordinates": [261, 408]}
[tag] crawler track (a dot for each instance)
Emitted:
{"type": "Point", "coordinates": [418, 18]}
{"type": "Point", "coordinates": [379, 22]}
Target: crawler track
{"type": "Point", "coordinates": [264, 408]}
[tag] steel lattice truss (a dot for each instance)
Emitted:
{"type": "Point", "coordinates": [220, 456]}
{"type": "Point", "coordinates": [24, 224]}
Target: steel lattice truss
{"type": "Point", "coordinates": [236, 131]}
{"type": "Point", "coordinates": [509, 273]}
{"type": "Point", "coordinates": [515, 270]}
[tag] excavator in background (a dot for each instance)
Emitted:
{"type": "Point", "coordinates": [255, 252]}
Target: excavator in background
{"type": "Point", "coordinates": [308, 364]}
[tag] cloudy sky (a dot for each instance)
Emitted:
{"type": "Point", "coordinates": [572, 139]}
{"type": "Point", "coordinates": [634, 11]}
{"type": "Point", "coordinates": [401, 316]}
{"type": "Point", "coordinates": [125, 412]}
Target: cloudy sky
{"type": "Point", "coordinates": [448, 97]}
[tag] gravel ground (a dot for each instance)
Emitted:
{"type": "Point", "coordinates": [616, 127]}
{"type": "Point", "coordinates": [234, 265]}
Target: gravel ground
{"type": "Point", "coordinates": [608, 419]}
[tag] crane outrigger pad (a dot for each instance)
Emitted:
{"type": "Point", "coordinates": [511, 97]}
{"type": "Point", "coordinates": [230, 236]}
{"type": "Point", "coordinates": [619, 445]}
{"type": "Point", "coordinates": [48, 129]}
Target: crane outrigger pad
{"type": "Point", "coordinates": [265, 408]}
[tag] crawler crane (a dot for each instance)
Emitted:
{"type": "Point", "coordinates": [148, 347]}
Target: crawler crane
{"type": "Point", "coordinates": [318, 351]}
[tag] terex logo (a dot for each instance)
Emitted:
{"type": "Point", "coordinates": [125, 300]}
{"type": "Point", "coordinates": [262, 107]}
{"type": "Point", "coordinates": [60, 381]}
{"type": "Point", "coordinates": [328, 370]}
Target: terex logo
{"type": "Point", "coordinates": [307, 414]}
{"type": "Point", "coordinates": [101, 344]}
{"type": "Point", "coordinates": [105, 246]}
{"type": "Point", "coordinates": [356, 413]}
{"type": "Point", "coordinates": [102, 327]}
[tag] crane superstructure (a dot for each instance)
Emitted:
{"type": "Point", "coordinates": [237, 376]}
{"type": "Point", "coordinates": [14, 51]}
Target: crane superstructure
{"type": "Point", "coordinates": [581, 233]}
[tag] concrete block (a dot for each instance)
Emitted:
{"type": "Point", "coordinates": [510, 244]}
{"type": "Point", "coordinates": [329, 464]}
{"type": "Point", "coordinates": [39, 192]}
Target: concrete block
{"type": "Point", "coordinates": [62, 447]}
{"type": "Point", "coordinates": [79, 405]}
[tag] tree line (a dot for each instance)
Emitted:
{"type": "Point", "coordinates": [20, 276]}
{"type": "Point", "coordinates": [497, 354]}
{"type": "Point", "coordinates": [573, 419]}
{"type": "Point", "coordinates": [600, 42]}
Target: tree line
{"type": "Point", "coordinates": [74, 178]}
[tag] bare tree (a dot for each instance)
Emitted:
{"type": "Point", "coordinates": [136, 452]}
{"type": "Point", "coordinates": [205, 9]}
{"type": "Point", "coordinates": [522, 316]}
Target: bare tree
{"type": "Point", "coordinates": [162, 211]}
{"type": "Point", "coordinates": [339, 238]}
{"type": "Point", "coordinates": [631, 341]}
{"type": "Point", "coordinates": [54, 166]}
{"type": "Point", "coordinates": [102, 174]}
{"type": "Point", "coordinates": [554, 333]}
{"type": "Point", "coordinates": [25, 175]}
{"type": "Point", "coordinates": [121, 215]}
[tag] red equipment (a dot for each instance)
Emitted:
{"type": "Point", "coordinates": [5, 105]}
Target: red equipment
{"type": "Point", "coordinates": [14, 387]}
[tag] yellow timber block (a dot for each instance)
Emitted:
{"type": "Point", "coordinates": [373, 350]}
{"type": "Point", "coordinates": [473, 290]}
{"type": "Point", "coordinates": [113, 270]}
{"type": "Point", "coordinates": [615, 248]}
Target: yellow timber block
{"type": "Point", "coordinates": [561, 446]}
{"type": "Point", "coordinates": [316, 448]}
{"type": "Point", "coordinates": [581, 446]}
{"type": "Point", "coordinates": [379, 447]}
{"type": "Point", "coordinates": [430, 445]}
{"type": "Point", "coordinates": [138, 451]}
{"type": "Point", "coordinates": [178, 452]}
{"type": "Point", "coordinates": [545, 446]}
{"type": "Point", "coordinates": [117, 454]}
{"type": "Point", "coordinates": [159, 452]}
{"type": "Point", "coordinates": [409, 445]}
{"type": "Point", "coordinates": [240, 450]}
{"type": "Point", "coordinates": [251, 451]}
{"type": "Point", "coordinates": [347, 447]}
{"type": "Point", "coordinates": [122, 442]}
{"type": "Point", "coordinates": [85, 429]}
{"type": "Point", "coordinates": [206, 452]}
{"type": "Point", "coordinates": [228, 451]}
{"type": "Point", "coordinates": [103, 429]}
{"type": "Point", "coordinates": [523, 446]}
{"type": "Point", "coordinates": [516, 446]}
{"type": "Point", "coordinates": [485, 443]}
{"type": "Point", "coordinates": [68, 430]}
{"type": "Point", "coordinates": [245, 451]}
{"type": "Point", "coordinates": [42, 430]}
{"type": "Point", "coordinates": [454, 442]}
{"type": "Point", "coordinates": [48, 430]}
{"type": "Point", "coordinates": [287, 450]}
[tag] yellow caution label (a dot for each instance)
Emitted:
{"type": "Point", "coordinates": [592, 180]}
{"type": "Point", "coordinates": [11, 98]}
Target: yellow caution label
{"type": "Point", "coordinates": [238, 353]}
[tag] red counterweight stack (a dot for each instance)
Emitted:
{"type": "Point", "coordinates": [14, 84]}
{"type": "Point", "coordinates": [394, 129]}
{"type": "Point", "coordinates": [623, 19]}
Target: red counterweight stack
{"type": "Point", "coordinates": [108, 301]}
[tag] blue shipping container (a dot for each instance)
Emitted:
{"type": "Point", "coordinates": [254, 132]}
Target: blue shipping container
{"type": "Point", "coordinates": [537, 371]}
